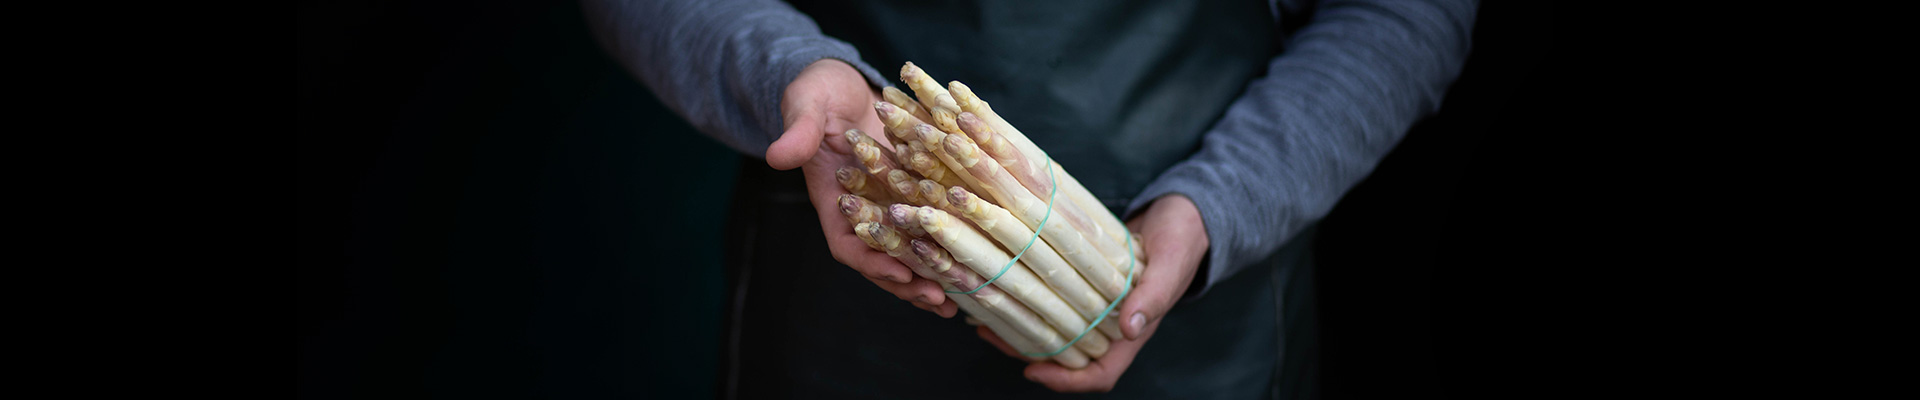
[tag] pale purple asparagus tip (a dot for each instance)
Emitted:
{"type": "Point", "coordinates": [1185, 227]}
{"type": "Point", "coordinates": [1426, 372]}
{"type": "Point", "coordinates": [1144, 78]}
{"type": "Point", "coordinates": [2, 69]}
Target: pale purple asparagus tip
{"type": "Point", "coordinates": [922, 248]}
{"type": "Point", "coordinates": [900, 214]}
{"type": "Point", "coordinates": [849, 204]}
{"type": "Point", "coordinates": [958, 196]}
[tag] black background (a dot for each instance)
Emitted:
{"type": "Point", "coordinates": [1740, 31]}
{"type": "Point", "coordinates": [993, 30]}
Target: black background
{"type": "Point", "coordinates": [488, 206]}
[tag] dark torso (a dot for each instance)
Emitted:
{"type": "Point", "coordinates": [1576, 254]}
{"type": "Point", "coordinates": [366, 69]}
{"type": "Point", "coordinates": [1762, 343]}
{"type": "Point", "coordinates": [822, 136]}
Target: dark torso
{"type": "Point", "coordinates": [1115, 91]}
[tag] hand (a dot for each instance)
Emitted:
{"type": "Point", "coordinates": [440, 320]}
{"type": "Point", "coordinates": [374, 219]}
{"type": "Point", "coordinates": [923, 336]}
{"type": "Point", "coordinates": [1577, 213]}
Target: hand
{"type": "Point", "coordinates": [828, 98]}
{"type": "Point", "coordinates": [1175, 240]}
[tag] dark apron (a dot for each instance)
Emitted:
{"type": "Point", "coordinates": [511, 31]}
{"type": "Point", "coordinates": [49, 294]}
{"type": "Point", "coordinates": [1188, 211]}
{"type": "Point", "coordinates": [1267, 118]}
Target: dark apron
{"type": "Point", "coordinates": [1117, 92]}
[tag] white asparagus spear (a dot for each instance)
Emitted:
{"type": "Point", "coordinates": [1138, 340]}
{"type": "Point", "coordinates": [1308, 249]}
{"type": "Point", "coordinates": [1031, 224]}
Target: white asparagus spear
{"type": "Point", "coordinates": [858, 209]}
{"type": "Point", "coordinates": [854, 137]}
{"type": "Point", "coordinates": [874, 235]}
{"type": "Point", "coordinates": [1024, 172]}
{"type": "Point", "coordinates": [1072, 244]}
{"type": "Point", "coordinates": [905, 128]}
{"type": "Point", "coordinates": [969, 102]}
{"type": "Point", "coordinates": [932, 137]}
{"type": "Point", "coordinates": [1037, 335]}
{"type": "Point", "coordinates": [900, 99]}
{"type": "Point", "coordinates": [902, 218]}
{"type": "Point", "coordinates": [1040, 257]}
{"type": "Point", "coordinates": [906, 186]}
{"type": "Point", "coordinates": [881, 167]}
{"type": "Point", "coordinates": [974, 250]}
{"type": "Point", "coordinates": [925, 88]}
{"type": "Point", "coordinates": [860, 184]}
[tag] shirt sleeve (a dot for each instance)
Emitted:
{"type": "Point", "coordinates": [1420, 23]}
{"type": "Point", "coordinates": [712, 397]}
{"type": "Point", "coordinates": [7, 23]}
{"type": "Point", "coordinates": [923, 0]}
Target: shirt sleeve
{"type": "Point", "coordinates": [1347, 86]}
{"type": "Point", "coordinates": [723, 65]}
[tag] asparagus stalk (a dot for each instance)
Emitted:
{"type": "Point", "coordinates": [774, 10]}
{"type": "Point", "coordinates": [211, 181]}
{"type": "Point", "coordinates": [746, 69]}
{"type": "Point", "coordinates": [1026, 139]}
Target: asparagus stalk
{"type": "Point", "coordinates": [906, 186]}
{"type": "Point", "coordinates": [931, 137]}
{"type": "Point", "coordinates": [856, 182]}
{"type": "Point", "coordinates": [855, 137]}
{"type": "Point", "coordinates": [905, 127]}
{"type": "Point", "coordinates": [901, 216]}
{"type": "Point", "coordinates": [935, 194]}
{"type": "Point", "coordinates": [903, 152]}
{"type": "Point", "coordinates": [879, 238]}
{"type": "Point", "coordinates": [964, 97]}
{"type": "Point", "coordinates": [899, 99]}
{"type": "Point", "coordinates": [925, 163]}
{"type": "Point", "coordinates": [1072, 244]}
{"type": "Point", "coordinates": [977, 252]}
{"type": "Point", "coordinates": [858, 209]}
{"type": "Point", "coordinates": [1032, 177]}
{"type": "Point", "coordinates": [925, 88]}
{"type": "Point", "coordinates": [1040, 257]}
{"type": "Point", "coordinates": [1031, 334]}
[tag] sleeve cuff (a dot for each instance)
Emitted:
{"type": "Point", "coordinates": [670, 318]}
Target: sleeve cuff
{"type": "Point", "coordinates": [1216, 265]}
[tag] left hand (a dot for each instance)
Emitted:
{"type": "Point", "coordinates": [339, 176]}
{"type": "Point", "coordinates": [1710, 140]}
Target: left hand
{"type": "Point", "coordinates": [1175, 240]}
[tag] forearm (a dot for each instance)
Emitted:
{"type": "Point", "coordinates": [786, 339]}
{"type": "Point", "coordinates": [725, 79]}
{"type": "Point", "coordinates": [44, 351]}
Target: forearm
{"type": "Point", "coordinates": [723, 65]}
{"type": "Point", "coordinates": [1346, 89]}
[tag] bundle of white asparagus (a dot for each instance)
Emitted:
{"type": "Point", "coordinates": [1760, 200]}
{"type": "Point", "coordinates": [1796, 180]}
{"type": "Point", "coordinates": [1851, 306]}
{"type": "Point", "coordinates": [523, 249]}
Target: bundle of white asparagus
{"type": "Point", "coordinates": [959, 200]}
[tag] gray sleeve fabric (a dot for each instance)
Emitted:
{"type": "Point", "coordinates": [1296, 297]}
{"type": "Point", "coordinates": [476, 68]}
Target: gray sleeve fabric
{"type": "Point", "coordinates": [1347, 87]}
{"type": "Point", "coordinates": [723, 65]}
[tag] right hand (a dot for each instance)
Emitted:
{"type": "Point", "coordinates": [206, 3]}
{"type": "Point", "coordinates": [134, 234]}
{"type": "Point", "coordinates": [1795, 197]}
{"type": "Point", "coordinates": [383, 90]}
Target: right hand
{"type": "Point", "coordinates": [828, 98]}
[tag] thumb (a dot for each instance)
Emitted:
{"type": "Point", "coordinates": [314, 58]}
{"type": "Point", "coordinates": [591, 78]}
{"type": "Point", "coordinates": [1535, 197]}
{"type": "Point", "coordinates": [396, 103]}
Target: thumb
{"type": "Point", "coordinates": [799, 142]}
{"type": "Point", "coordinates": [1148, 301]}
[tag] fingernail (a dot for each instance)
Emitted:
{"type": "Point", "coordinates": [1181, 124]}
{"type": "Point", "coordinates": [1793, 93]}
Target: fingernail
{"type": "Point", "coordinates": [902, 279]}
{"type": "Point", "coordinates": [1030, 377]}
{"type": "Point", "coordinates": [1138, 322]}
{"type": "Point", "coordinates": [922, 299]}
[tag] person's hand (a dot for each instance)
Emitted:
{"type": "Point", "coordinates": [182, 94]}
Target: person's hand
{"type": "Point", "coordinates": [1175, 240]}
{"type": "Point", "coordinates": [828, 98]}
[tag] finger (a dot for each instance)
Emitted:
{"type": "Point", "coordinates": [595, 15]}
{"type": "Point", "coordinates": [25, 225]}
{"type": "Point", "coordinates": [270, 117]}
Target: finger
{"type": "Point", "coordinates": [994, 339]}
{"type": "Point", "coordinates": [919, 290]}
{"type": "Point", "coordinates": [948, 309]}
{"type": "Point", "coordinates": [849, 250]}
{"type": "Point", "coordinates": [800, 141]}
{"type": "Point", "coordinates": [1147, 302]}
{"type": "Point", "coordinates": [1099, 375]}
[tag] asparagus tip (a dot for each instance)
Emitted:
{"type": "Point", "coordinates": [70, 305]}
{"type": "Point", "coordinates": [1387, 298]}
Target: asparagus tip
{"type": "Point", "coordinates": [845, 174]}
{"type": "Point", "coordinates": [922, 248]}
{"type": "Point", "coordinates": [959, 196]}
{"type": "Point", "coordinates": [849, 204]}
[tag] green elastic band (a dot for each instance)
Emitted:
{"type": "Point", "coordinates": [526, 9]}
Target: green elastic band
{"type": "Point", "coordinates": [1030, 240]}
{"type": "Point", "coordinates": [1128, 288]}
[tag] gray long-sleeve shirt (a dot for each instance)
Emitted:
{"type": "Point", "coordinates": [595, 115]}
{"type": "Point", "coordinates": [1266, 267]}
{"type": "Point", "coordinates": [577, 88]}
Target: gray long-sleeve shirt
{"type": "Point", "coordinates": [1347, 87]}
